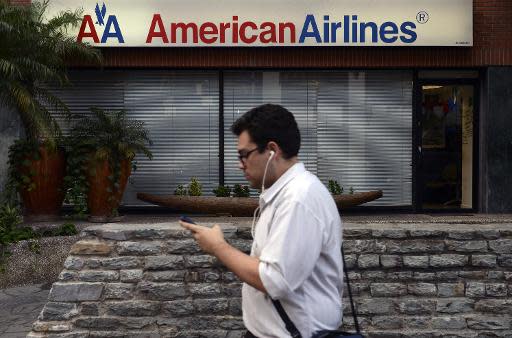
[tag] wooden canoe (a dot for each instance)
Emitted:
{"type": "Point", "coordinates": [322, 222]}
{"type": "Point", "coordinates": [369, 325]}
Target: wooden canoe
{"type": "Point", "coordinates": [239, 206]}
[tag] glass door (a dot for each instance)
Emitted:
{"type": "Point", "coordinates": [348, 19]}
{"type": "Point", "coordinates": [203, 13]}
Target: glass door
{"type": "Point", "coordinates": [446, 146]}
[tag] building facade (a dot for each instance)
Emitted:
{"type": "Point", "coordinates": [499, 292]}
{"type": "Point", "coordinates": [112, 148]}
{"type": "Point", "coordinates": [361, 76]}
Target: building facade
{"type": "Point", "coordinates": [428, 124]}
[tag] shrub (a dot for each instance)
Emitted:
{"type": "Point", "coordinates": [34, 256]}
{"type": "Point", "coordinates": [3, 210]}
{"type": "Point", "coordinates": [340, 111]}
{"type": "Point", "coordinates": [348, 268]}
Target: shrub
{"type": "Point", "coordinates": [195, 188]}
{"type": "Point", "coordinates": [241, 190]}
{"type": "Point", "coordinates": [222, 191]}
{"type": "Point", "coordinates": [180, 190]}
{"type": "Point", "coordinates": [334, 187]}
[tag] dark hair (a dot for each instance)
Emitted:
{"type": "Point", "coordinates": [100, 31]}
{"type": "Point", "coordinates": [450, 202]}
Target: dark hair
{"type": "Point", "coordinates": [270, 122]}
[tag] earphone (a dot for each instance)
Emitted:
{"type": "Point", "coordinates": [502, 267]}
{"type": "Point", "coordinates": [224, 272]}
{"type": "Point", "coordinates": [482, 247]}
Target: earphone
{"type": "Point", "coordinates": [272, 153]}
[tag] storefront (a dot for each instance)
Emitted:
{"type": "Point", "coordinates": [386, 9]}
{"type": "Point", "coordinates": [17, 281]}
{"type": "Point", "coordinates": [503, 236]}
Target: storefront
{"type": "Point", "coordinates": [392, 95]}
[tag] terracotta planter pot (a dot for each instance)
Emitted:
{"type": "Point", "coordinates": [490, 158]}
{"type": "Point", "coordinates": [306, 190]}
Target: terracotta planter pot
{"type": "Point", "coordinates": [98, 200]}
{"type": "Point", "coordinates": [44, 201]}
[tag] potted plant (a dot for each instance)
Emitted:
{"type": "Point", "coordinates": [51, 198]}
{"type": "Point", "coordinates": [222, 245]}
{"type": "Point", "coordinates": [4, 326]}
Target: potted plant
{"type": "Point", "coordinates": [102, 148]}
{"type": "Point", "coordinates": [35, 52]}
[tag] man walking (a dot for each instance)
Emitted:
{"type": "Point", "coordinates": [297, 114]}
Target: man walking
{"type": "Point", "coordinates": [295, 256]}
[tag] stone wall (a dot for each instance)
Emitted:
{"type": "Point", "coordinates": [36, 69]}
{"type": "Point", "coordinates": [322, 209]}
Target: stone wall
{"type": "Point", "coordinates": [410, 280]}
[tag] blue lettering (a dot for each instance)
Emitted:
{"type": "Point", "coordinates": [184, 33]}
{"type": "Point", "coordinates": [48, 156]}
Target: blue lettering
{"type": "Point", "coordinates": [310, 20]}
{"type": "Point", "coordinates": [388, 28]}
{"type": "Point", "coordinates": [112, 20]}
{"type": "Point", "coordinates": [407, 28]}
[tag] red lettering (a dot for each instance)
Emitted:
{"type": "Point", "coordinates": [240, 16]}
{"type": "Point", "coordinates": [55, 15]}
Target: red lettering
{"type": "Point", "coordinates": [243, 28]}
{"type": "Point", "coordinates": [235, 29]}
{"type": "Point", "coordinates": [282, 27]}
{"type": "Point", "coordinates": [157, 20]}
{"type": "Point", "coordinates": [184, 30]}
{"type": "Point", "coordinates": [208, 28]}
{"type": "Point", "coordinates": [271, 32]}
{"type": "Point", "coordinates": [223, 27]}
{"type": "Point", "coordinates": [87, 21]}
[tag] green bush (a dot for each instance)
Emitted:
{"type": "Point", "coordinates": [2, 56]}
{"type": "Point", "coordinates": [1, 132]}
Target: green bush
{"type": "Point", "coordinates": [334, 187]}
{"type": "Point", "coordinates": [180, 190]}
{"type": "Point", "coordinates": [222, 191]}
{"type": "Point", "coordinates": [241, 190]}
{"type": "Point", "coordinates": [195, 188]}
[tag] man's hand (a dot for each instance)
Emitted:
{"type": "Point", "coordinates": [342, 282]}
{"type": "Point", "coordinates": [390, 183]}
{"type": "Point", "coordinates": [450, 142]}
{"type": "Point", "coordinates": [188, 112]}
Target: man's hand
{"type": "Point", "coordinates": [209, 239]}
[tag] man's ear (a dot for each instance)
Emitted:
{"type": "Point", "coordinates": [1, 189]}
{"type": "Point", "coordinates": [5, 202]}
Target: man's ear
{"type": "Point", "coordinates": [272, 146]}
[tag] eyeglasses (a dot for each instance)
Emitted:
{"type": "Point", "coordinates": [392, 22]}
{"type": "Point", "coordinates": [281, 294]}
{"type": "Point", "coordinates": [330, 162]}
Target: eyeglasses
{"type": "Point", "coordinates": [243, 156]}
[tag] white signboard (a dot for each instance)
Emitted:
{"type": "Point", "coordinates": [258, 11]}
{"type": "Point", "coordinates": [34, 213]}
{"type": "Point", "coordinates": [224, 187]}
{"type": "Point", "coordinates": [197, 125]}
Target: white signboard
{"type": "Point", "coordinates": [270, 23]}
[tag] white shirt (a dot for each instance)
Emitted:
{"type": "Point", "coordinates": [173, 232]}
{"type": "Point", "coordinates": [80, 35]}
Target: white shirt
{"type": "Point", "coordinates": [298, 242]}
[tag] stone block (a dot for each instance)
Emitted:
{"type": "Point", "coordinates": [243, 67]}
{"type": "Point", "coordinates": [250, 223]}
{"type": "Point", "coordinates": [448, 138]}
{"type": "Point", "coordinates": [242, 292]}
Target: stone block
{"type": "Point", "coordinates": [455, 305]}
{"type": "Point", "coordinates": [448, 261]}
{"type": "Point", "coordinates": [205, 289]}
{"type": "Point", "coordinates": [241, 244]}
{"type": "Point", "coordinates": [450, 289]}
{"type": "Point", "coordinates": [417, 262]}
{"type": "Point", "coordinates": [130, 275]}
{"type": "Point", "coordinates": [119, 291]}
{"type": "Point", "coordinates": [505, 260]}
{"type": "Point", "coordinates": [58, 311]}
{"type": "Point", "coordinates": [358, 246]}
{"type": "Point", "coordinates": [502, 246]}
{"type": "Point", "coordinates": [378, 306]}
{"type": "Point", "coordinates": [387, 289]}
{"type": "Point", "coordinates": [387, 322]}
{"type": "Point", "coordinates": [118, 263]}
{"type": "Point", "coordinates": [211, 306]}
{"type": "Point", "coordinates": [496, 290]}
{"type": "Point", "coordinates": [424, 276]}
{"type": "Point", "coordinates": [235, 306]}
{"type": "Point", "coordinates": [449, 323]}
{"type": "Point", "coordinates": [488, 233]}
{"type": "Point", "coordinates": [183, 247]}
{"type": "Point", "coordinates": [139, 248]}
{"type": "Point", "coordinates": [461, 234]}
{"type": "Point", "coordinates": [350, 261]}
{"type": "Point", "coordinates": [366, 261]}
{"type": "Point", "coordinates": [489, 323]}
{"type": "Point", "coordinates": [199, 261]}
{"type": "Point", "coordinates": [98, 276]}
{"type": "Point", "coordinates": [89, 309]}
{"type": "Point", "coordinates": [390, 261]}
{"type": "Point", "coordinates": [389, 233]}
{"type": "Point", "coordinates": [91, 247]}
{"type": "Point", "coordinates": [49, 328]}
{"type": "Point", "coordinates": [475, 289]}
{"type": "Point", "coordinates": [178, 308]}
{"type": "Point", "coordinates": [415, 246]}
{"type": "Point", "coordinates": [72, 292]}
{"type": "Point", "coordinates": [498, 306]}
{"type": "Point", "coordinates": [426, 233]}
{"type": "Point", "coordinates": [399, 275]}
{"type": "Point", "coordinates": [98, 323]}
{"type": "Point", "coordinates": [495, 275]}
{"type": "Point", "coordinates": [166, 276]}
{"type": "Point", "coordinates": [162, 291]}
{"type": "Point", "coordinates": [169, 262]}
{"type": "Point", "coordinates": [68, 275]}
{"type": "Point", "coordinates": [483, 260]}
{"type": "Point", "coordinates": [421, 289]}
{"type": "Point", "coordinates": [416, 306]}
{"type": "Point", "coordinates": [447, 275]}
{"type": "Point", "coordinates": [135, 308]}
{"type": "Point", "coordinates": [467, 246]}
{"type": "Point", "coordinates": [74, 263]}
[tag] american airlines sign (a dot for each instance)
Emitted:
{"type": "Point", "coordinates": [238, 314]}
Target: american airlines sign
{"type": "Point", "coordinates": [261, 23]}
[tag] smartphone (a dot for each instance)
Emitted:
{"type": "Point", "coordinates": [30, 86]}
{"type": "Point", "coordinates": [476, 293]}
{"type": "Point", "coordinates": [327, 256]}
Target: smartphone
{"type": "Point", "coordinates": [187, 219]}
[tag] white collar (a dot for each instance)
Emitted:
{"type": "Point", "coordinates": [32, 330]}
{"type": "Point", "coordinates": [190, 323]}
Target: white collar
{"type": "Point", "coordinates": [281, 182]}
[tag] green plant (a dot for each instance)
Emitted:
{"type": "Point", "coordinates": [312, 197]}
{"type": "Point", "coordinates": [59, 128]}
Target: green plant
{"type": "Point", "coordinates": [35, 51]}
{"type": "Point", "coordinates": [180, 190]}
{"type": "Point", "coordinates": [334, 187]}
{"type": "Point", "coordinates": [105, 136]}
{"type": "Point", "coordinates": [241, 190]}
{"type": "Point", "coordinates": [10, 232]}
{"type": "Point", "coordinates": [222, 191]}
{"type": "Point", "coordinates": [195, 188]}
{"type": "Point", "coordinates": [351, 191]}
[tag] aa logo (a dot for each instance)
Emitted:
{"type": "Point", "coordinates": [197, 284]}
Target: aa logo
{"type": "Point", "coordinates": [111, 26]}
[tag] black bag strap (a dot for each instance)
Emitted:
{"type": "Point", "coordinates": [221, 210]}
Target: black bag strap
{"type": "Point", "coordinates": [288, 322]}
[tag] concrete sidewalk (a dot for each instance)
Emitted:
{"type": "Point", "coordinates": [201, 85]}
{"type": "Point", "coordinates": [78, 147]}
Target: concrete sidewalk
{"type": "Point", "coordinates": [19, 308]}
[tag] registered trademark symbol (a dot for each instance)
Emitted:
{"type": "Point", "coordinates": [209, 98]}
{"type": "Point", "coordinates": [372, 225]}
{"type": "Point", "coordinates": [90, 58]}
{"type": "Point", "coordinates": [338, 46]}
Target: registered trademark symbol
{"type": "Point", "coordinates": [422, 17]}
